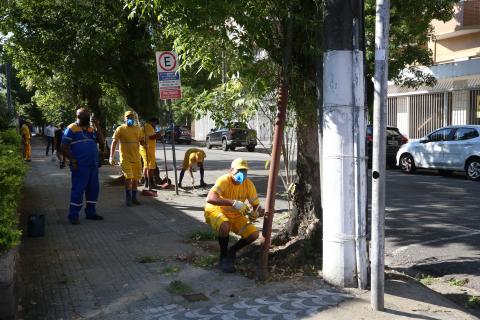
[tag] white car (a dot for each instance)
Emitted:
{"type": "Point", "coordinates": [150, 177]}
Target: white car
{"type": "Point", "coordinates": [448, 149]}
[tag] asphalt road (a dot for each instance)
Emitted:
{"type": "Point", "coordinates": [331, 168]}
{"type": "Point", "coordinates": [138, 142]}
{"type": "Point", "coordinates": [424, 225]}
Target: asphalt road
{"type": "Point", "coordinates": [432, 222]}
{"type": "Point", "coordinates": [433, 225]}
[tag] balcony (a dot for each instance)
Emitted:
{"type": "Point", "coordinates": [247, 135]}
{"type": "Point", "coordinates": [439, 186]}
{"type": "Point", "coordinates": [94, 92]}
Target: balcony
{"type": "Point", "coordinates": [466, 20]}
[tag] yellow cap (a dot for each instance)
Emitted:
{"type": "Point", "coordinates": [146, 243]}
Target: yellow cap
{"type": "Point", "coordinates": [239, 164]}
{"type": "Point", "coordinates": [128, 113]}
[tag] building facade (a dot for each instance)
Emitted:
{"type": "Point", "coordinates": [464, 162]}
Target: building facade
{"type": "Point", "coordinates": [455, 99]}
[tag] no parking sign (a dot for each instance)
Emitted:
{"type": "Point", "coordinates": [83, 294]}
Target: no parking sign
{"type": "Point", "coordinates": [168, 75]}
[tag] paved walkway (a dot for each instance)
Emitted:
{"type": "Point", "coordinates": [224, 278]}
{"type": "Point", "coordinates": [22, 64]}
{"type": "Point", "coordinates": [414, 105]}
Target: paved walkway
{"type": "Point", "coordinates": [137, 264]}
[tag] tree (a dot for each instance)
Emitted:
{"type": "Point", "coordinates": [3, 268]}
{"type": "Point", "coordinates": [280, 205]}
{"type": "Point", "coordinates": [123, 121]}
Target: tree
{"type": "Point", "coordinates": [69, 51]}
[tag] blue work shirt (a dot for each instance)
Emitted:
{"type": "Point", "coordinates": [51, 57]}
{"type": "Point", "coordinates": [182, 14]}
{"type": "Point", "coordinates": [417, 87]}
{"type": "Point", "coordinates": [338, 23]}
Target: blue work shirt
{"type": "Point", "coordinates": [83, 144]}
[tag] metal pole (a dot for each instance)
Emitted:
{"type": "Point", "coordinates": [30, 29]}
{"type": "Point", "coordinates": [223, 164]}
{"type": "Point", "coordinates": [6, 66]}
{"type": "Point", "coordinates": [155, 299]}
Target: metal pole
{"type": "Point", "coordinates": [272, 179]}
{"type": "Point", "coordinates": [169, 102]}
{"type": "Point", "coordinates": [379, 146]}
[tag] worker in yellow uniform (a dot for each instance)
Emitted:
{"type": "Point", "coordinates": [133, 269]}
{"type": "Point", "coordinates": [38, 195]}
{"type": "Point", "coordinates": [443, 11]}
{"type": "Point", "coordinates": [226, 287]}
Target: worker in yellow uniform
{"type": "Point", "coordinates": [193, 156]}
{"type": "Point", "coordinates": [129, 136]}
{"type": "Point", "coordinates": [26, 136]}
{"type": "Point", "coordinates": [149, 159]}
{"type": "Point", "coordinates": [227, 211]}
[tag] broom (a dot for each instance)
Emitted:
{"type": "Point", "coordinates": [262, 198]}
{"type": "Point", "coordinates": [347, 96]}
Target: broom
{"type": "Point", "coordinates": [147, 192]}
{"type": "Point", "coordinates": [165, 183]}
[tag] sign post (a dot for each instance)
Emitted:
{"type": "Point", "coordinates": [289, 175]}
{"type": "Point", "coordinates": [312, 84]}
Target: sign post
{"type": "Point", "coordinates": [169, 88]}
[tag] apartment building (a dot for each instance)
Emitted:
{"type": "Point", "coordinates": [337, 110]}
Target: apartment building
{"type": "Point", "coordinates": [455, 99]}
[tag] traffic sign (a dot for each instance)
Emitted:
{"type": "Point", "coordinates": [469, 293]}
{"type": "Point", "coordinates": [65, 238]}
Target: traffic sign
{"type": "Point", "coordinates": [169, 82]}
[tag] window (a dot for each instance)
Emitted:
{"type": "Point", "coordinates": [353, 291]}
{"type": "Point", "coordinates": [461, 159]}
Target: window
{"type": "Point", "coordinates": [465, 134]}
{"type": "Point", "coordinates": [440, 135]}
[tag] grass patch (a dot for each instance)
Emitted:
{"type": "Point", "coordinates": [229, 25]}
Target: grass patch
{"type": "Point", "coordinates": [206, 261]}
{"type": "Point", "coordinates": [426, 279]}
{"type": "Point", "coordinates": [473, 302]}
{"type": "Point", "coordinates": [147, 259]}
{"type": "Point", "coordinates": [457, 282]}
{"type": "Point", "coordinates": [202, 235]}
{"type": "Point", "coordinates": [170, 270]}
{"type": "Point", "coordinates": [179, 287]}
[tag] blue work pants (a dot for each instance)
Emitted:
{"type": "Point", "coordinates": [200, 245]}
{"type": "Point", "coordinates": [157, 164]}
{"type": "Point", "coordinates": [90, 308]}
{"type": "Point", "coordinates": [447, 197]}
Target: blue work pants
{"type": "Point", "coordinates": [84, 180]}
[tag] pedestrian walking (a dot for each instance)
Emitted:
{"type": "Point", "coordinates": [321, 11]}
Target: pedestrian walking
{"type": "Point", "coordinates": [26, 136]}
{"type": "Point", "coordinates": [193, 156]}
{"type": "Point", "coordinates": [79, 146]}
{"type": "Point", "coordinates": [147, 151]}
{"type": "Point", "coordinates": [227, 211]}
{"type": "Point", "coordinates": [58, 142]}
{"type": "Point", "coordinates": [129, 136]}
{"type": "Point", "coordinates": [50, 134]}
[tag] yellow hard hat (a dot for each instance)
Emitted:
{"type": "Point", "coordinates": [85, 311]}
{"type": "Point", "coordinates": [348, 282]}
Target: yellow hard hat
{"type": "Point", "coordinates": [128, 113]}
{"type": "Point", "coordinates": [239, 164]}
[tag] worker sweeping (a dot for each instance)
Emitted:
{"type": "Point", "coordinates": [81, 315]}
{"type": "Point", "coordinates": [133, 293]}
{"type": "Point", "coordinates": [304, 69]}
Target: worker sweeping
{"type": "Point", "coordinates": [129, 136]}
{"type": "Point", "coordinates": [149, 160]}
{"type": "Point", "coordinates": [193, 156]}
{"type": "Point", "coordinates": [79, 146]}
{"type": "Point", "coordinates": [227, 211]}
{"type": "Point", "coordinates": [26, 136]}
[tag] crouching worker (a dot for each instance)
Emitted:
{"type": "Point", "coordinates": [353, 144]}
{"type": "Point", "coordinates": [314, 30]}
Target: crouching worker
{"type": "Point", "coordinates": [227, 211]}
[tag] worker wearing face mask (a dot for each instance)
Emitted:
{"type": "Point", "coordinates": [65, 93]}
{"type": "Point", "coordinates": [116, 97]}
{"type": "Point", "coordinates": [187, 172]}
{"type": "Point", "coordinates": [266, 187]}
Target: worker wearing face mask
{"type": "Point", "coordinates": [79, 146]}
{"type": "Point", "coordinates": [227, 211]}
{"type": "Point", "coordinates": [129, 136]}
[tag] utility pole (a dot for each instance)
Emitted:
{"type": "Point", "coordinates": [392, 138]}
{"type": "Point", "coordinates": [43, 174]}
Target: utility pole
{"type": "Point", "coordinates": [172, 135]}
{"type": "Point", "coordinates": [343, 147]}
{"type": "Point", "coordinates": [379, 145]}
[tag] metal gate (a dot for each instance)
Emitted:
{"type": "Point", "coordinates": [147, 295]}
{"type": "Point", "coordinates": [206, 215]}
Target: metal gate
{"type": "Point", "coordinates": [474, 110]}
{"type": "Point", "coordinates": [426, 114]}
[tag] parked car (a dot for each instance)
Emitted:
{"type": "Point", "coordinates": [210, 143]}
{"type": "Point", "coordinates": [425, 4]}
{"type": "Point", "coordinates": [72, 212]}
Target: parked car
{"type": "Point", "coordinates": [236, 134]}
{"type": "Point", "coordinates": [394, 141]}
{"type": "Point", "coordinates": [448, 149]}
{"type": "Point", "coordinates": [182, 135]}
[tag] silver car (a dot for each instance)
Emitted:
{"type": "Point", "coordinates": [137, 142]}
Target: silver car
{"type": "Point", "coordinates": [448, 149]}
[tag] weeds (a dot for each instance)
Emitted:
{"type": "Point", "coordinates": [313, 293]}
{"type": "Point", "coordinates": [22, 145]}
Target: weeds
{"type": "Point", "coordinates": [426, 279]}
{"type": "Point", "coordinates": [457, 283]}
{"type": "Point", "coordinates": [205, 261]}
{"type": "Point", "coordinates": [170, 270]}
{"type": "Point", "coordinates": [179, 287]}
{"type": "Point", "coordinates": [473, 302]}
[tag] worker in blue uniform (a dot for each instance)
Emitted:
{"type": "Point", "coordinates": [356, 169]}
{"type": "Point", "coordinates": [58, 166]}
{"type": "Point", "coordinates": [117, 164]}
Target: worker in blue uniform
{"type": "Point", "coordinates": [79, 145]}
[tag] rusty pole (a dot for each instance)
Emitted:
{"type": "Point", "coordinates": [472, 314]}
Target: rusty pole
{"type": "Point", "coordinates": [272, 178]}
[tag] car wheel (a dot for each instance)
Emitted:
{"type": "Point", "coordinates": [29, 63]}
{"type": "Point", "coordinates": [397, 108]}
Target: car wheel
{"type": "Point", "coordinates": [251, 148]}
{"type": "Point", "coordinates": [209, 146]}
{"type": "Point", "coordinates": [473, 169]}
{"type": "Point", "coordinates": [224, 145]}
{"type": "Point", "coordinates": [445, 173]}
{"type": "Point", "coordinates": [407, 164]}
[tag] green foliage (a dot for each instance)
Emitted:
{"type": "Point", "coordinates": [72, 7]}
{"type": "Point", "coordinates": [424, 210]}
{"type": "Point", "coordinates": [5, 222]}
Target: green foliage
{"type": "Point", "coordinates": [473, 302]}
{"type": "Point", "coordinates": [458, 282]}
{"type": "Point", "coordinates": [426, 279]}
{"type": "Point", "coordinates": [179, 287]}
{"type": "Point", "coordinates": [202, 236]}
{"type": "Point", "coordinates": [12, 172]}
{"type": "Point", "coordinates": [170, 270]}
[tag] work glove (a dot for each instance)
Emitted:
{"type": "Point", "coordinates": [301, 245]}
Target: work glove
{"type": "Point", "coordinates": [112, 161]}
{"type": "Point", "coordinates": [255, 214]}
{"type": "Point", "coordinates": [240, 207]}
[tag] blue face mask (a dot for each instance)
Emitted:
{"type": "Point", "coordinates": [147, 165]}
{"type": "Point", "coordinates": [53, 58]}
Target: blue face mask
{"type": "Point", "coordinates": [130, 122]}
{"type": "Point", "coordinates": [240, 176]}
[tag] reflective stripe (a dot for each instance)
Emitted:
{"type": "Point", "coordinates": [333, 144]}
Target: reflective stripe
{"type": "Point", "coordinates": [217, 218]}
{"type": "Point", "coordinates": [83, 140]}
{"type": "Point", "coordinates": [67, 138]}
{"type": "Point", "coordinates": [217, 189]}
{"type": "Point", "coordinates": [75, 204]}
{"type": "Point", "coordinates": [243, 228]}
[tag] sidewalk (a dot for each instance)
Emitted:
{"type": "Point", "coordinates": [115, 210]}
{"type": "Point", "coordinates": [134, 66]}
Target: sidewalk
{"type": "Point", "coordinates": [140, 264]}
